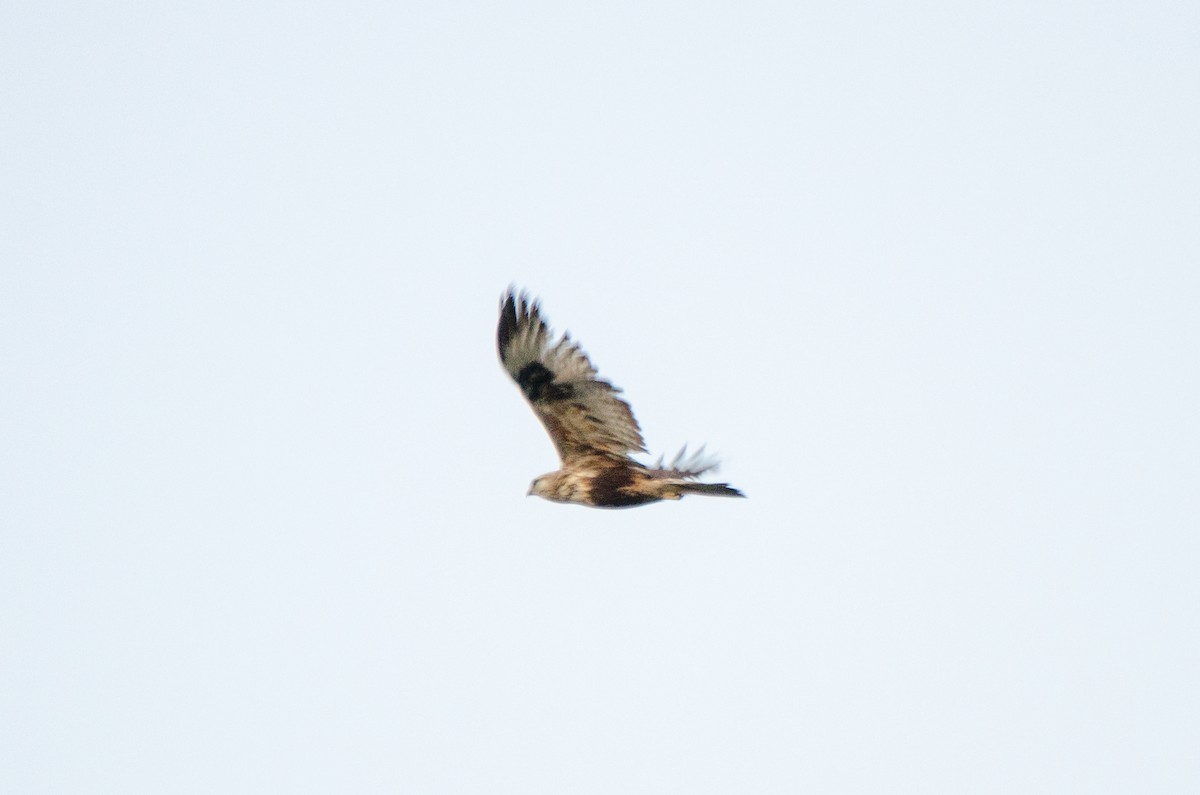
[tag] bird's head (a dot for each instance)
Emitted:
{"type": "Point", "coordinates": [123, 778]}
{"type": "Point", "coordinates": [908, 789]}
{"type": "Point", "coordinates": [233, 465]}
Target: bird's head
{"type": "Point", "coordinates": [549, 487]}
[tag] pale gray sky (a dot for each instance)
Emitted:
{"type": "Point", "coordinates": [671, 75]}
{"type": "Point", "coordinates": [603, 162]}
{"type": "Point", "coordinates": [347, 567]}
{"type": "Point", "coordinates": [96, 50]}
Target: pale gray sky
{"type": "Point", "coordinates": [926, 274]}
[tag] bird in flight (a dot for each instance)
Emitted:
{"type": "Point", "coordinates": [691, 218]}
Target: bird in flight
{"type": "Point", "coordinates": [593, 429]}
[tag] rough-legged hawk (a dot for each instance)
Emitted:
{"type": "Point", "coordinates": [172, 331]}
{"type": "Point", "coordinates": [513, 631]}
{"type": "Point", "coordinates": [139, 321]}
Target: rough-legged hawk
{"type": "Point", "coordinates": [593, 429]}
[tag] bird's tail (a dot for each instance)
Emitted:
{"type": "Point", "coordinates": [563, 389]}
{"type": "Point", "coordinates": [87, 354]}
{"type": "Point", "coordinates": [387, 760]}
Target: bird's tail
{"type": "Point", "coordinates": [711, 489]}
{"type": "Point", "coordinates": [679, 478]}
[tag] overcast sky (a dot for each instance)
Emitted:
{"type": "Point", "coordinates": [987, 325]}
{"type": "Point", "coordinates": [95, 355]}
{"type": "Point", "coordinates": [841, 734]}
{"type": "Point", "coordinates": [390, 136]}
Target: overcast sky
{"type": "Point", "coordinates": [927, 276]}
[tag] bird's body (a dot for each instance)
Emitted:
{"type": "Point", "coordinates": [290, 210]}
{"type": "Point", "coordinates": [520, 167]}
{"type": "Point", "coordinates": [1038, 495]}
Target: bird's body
{"type": "Point", "coordinates": [593, 430]}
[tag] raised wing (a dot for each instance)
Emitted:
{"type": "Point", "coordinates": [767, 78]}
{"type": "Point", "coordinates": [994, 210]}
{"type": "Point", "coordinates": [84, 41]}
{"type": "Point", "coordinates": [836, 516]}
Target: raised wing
{"type": "Point", "coordinates": [687, 467]}
{"type": "Point", "coordinates": [582, 413]}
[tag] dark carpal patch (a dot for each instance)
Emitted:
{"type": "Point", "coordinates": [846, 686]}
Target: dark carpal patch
{"type": "Point", "coordinates": [537, 382]}
{"type": "Point", "coordinates": [606, 489]}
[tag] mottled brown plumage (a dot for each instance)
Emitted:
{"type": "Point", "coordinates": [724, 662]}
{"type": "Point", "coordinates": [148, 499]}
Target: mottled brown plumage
{"type": "Point", "coordinates": [593, 430]}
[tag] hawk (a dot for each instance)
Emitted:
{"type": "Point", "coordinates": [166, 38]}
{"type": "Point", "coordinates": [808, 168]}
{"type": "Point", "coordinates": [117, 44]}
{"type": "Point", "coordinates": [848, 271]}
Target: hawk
{"type": "Point", "coordinates": [593, 430]}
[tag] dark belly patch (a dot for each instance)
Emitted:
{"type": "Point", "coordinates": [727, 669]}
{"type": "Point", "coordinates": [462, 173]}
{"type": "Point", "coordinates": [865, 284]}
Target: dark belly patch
{"type": "Point", "coordinates": [607, 489]}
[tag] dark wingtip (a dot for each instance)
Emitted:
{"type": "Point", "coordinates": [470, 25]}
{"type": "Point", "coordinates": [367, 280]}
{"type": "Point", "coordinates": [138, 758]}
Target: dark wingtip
{"type": "Point", "coordinates": [515, 307]}
{"type": "Point", "coordinates": [508, 320]}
